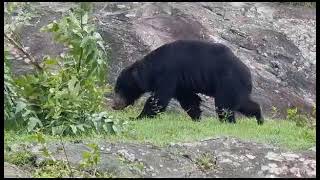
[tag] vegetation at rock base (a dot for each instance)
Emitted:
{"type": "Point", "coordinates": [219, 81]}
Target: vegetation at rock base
{"type": "Point", "coordinates": [173, 128]}
{"type": "Point", "coordinates": [20, 158]}
{"type": "Point", "coordinates": [206, 161]}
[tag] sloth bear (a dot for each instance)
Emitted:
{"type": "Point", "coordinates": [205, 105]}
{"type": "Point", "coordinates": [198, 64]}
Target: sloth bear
{"type": "Point", "coordinates": [182, 69]}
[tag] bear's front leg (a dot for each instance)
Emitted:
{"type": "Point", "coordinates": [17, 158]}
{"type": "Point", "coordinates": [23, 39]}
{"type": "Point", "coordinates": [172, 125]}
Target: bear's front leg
{"type": "Point", "coordinates": [159, 100]}
{"type": "Point", "coordinates": [149, 109]}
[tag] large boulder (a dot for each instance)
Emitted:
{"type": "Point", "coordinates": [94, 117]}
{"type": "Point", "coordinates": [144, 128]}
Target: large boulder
{"type": "Point", "coordinates": [277, 41]}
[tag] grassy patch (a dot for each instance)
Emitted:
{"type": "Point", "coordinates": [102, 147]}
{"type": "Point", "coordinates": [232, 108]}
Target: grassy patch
{"type": "Point", "coordinates": [178, 127]}
{"type": "Point", "coordinates": [301, 4]}
{"type": "Point", "coordinates": [305, 4]}
{"type": "Point", "coordinates": [20, 158]}
{"type": "Point", "coordinates": [51, 169]}
{"type": "Point", "coordinates": [206, 161]}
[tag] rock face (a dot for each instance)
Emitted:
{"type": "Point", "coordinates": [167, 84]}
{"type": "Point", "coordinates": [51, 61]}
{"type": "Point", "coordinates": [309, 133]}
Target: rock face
{"type": "Point", "coordinates": [12, 171]}
{"type": "Point", "coordinates": [276, 41]}
{"type": "Point", "coordinates": [219, 157]}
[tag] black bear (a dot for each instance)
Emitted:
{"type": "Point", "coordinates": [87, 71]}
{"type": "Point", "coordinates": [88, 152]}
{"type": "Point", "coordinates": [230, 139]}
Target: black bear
{"type": "Point", "coordinates": [182, 69]}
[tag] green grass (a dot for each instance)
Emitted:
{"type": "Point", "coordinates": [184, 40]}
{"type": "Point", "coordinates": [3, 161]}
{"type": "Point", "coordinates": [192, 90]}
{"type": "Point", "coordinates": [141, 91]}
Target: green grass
{"type": "Point", "coordinates": [301, 4]}
{"type": "Point", "coordinates": [178, 127]}
{"type": "Point", "coordinates": [20, 158]}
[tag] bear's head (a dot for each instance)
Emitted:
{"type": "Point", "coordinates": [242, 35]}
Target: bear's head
{"type": "Point", "coordinates": [127, 88]}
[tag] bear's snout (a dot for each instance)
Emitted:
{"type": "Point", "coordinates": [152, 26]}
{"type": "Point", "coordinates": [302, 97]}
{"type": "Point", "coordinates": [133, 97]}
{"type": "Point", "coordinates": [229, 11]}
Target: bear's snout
{"type": "Point", "coordinates": [118, 103]}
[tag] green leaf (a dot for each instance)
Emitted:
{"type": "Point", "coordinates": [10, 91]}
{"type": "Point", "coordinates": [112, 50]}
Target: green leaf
{"type": "Point", "coordinates": [74, 128]}
{"type": "Point", "coordinates": [95, 125]}
{"type": "Point", "coordinates": [32, 123]}
{"type": "Point", "coordinates": [114, 128]}
{"type": "Point", "coordinates": [71, 84]}
{"type": "Point", "coordinates": [86, 155]}
{"type": "Point", "coordinates": [76, 89]}
{"type": "Point", "coordinates": [85, 18]}
{"type": "Point", "coordinates": [58, 130]}
{"type": "Point", "coordinates": [56, 114]}
{"type": "Point", "coordinates": [80, 126]}
{"type": "Point", "coordinates": [97, 36]}
{"type": "Point", "coordinates": [108, 127]}
{"type": "Point", "coordinates": [100, 43]}
{"type": "Point", "coordinates": [108, 120]}
{"type": "Point", "coordinates": [39, 138]}
{"type": "Point", "coordinates": [55, 27]}
{"type": "Point", "coordinates": [103, 114]}
{"type": "Point", "coordinates": [73, 20]}
{"type": "Point", "coordinates": [85, 41]}
{"type": "Point", "coordinates": [50, 61]}
{"type": "Point", "coordinates": [52, 90]}
{"type": "Point", "coordinates": [46, 153]}
{"type": "Point", "coordinates": [77, 33]}
{"type": "Point", "coordinates": [86, 29]}
{"type": "Point", "coordinates": [93, 146]}
{"type": "Point", "coordinates": [105, 128]}
{"type": "Point", "coordinates": [20, 105]}
{"type": "Point", "coordinates": [91, 57]}
{"type": "Point", "coordinates": [44, 28]}
{"type": "Point", "coordinates": [25, 114]}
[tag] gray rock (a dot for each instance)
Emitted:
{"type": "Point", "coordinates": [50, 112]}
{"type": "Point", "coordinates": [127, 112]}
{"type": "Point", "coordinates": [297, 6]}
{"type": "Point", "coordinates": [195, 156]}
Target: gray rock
{"type": "Point", "coordinates": [179, 160]}
{"type": "Point", "coordinates": [274, 157]}
{"type": "Point", "coordinates": [268, 37]}
{"type": "Point", "coordinates": [12, 171]}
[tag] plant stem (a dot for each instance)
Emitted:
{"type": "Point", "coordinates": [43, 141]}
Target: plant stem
{"type": "Point", "coordinates": [81, 49]}
{"type": "Point", "coordinates": [64, 150]}
{"type": "Point", "coordinates": [33, 61]}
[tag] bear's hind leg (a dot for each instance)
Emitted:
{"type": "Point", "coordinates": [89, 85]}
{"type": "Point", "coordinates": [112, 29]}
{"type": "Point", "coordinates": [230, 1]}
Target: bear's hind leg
{"type": "Point", "coordinates": [250, 108]}
{"type": "Point", "coordinates": [226, 101]}
{"type": "Point", "coordinates": [190, 102]}
{"type": "Point", "coordinates": [225, 114]}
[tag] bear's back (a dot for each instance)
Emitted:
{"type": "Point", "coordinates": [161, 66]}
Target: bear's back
{"type": "Point", "coordinates": [195, 63]}
{"type": "Point", "coordinates": [183, 51]}
{"type": "Point", "coordinates": [192, 55]}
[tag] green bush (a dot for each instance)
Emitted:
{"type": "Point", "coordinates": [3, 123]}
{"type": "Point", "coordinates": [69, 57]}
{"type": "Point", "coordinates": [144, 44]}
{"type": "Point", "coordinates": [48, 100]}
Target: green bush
{"type": "Point", "coordinates": [65, 96]}
{"type": "Point", "coordinates": [301, 120]}
{"type": "Point", "coordinates": [20, 158]}
{"type": "Point", "coordinates": [16, 107]}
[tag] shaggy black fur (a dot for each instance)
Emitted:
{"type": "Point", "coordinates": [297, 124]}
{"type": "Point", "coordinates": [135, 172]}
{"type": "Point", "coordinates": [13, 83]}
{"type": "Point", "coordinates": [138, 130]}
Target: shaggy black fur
{"type": "Point", "coordinates": [184, 68]}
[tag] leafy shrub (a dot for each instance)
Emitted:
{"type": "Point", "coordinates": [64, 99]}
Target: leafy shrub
{"type": "Point", "coordinates": [301, 120]}
{"type": "Point", "coordinates": [20, 158]}
{"type": "Point", "coordinates": [292, 113]}
{"type": "Point", "coordinates": [10, 94]}
{"type": "Point", "coordinates": [91, 158]}
{"type": "Point", "coordinates": [206, 161]}
{"type": "Point", "coordinates": [52, 169]}
{"type": "Point", "coordinates": [15, 106]}
{"type": "Point", "coordinates": [69, 90]}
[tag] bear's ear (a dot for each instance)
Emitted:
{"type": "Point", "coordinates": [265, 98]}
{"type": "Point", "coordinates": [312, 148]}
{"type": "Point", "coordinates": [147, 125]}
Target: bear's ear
{"type": "Point", "coordinates": [138, 80]}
